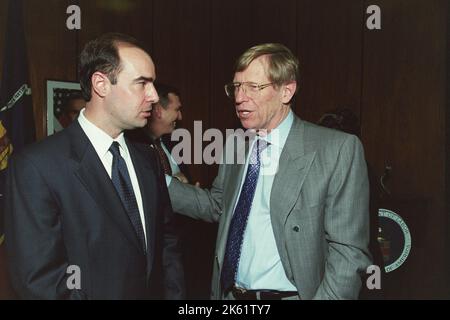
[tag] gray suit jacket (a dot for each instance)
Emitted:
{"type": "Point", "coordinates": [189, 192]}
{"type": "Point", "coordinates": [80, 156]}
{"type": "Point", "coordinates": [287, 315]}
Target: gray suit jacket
{"type": "Point", "coordinates": [319, 208]}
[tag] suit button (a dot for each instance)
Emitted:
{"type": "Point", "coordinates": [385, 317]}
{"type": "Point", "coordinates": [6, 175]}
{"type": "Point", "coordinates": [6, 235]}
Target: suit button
{"type": "Point", "coordinates": [296, 228]}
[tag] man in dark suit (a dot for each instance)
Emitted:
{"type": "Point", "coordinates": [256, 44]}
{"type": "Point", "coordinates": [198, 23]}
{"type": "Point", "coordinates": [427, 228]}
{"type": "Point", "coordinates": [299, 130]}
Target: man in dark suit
{"type": "Point", "coordinates": [87, 212]}
{"type": "Point", "coordinates": [293, 209]}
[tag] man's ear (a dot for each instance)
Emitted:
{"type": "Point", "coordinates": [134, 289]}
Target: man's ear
{"type": "Point", "coordinates": [100, 84]}
{"type": "Point", "coordinates": [288, 92]}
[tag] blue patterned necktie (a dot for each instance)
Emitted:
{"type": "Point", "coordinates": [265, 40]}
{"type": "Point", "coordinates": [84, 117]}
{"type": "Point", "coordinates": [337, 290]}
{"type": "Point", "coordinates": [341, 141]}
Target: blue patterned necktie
{"type": "Point", "coordinates": [122, 183]}
{"type": "Point", "coordinates": [240, 218]}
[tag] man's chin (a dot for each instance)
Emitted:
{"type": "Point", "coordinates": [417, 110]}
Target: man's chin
{"type": "Point", "coordinates": [140, 124]}
{"type": "Point", "coordinates": [248, 125]}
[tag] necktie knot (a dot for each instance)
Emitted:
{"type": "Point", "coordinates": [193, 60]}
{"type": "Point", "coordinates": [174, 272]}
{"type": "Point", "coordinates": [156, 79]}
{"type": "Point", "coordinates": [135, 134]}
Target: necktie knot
{"type": "Point", "coordinates": [261, 145]}
{"type": "Point", "coordinates": [115, 149]}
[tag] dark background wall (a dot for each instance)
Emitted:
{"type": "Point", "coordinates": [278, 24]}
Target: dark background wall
{"type": "Point", "coordinates": [394, 79]}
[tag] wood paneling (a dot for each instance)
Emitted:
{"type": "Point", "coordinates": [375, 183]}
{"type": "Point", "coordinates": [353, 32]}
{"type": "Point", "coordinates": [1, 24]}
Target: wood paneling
{"type": "Point", "coordinates": [51, 51]}
{"type": "Point", "coordinates": [404, 91]}
{"type": "Point", "coordinates": [274, 21]}
{"type": "Point", "coordinates": [182, 56]}
{"type": "Point", "coordinates": [134, 18]}
{"type": "Point", "coordinates": [3, 15]}
{"type": "Point", "coordinates": [329, 41]}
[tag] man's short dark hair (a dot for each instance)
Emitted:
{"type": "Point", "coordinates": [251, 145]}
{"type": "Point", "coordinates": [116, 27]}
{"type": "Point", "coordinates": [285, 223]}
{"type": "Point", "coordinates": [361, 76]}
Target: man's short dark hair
{"type": "Point", "coordinates": [163, 93]}
{"type": "Point", "coordinates": [102, 55]}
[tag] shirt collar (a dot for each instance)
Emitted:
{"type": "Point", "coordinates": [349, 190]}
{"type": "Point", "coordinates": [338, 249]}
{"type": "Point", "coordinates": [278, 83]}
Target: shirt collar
{"type": "Point", "coordinates": [278, 136]}
{"type": "Point", "coordinates": [100, 139]}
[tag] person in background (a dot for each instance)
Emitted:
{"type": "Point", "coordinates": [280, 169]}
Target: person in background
{"type": "Point", "coordinates": [70, 108]}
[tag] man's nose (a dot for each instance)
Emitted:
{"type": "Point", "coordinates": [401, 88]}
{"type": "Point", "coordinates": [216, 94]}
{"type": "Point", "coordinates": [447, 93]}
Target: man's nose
{"type": "Point", "coordinates": [151, 95]}
{"type": "Point", "coordinates": [240, 95]}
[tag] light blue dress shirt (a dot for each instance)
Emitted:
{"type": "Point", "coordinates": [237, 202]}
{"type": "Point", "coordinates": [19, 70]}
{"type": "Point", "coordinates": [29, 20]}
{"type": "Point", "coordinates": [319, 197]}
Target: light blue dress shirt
{"type": "Point", "coordinates": [260, 264]}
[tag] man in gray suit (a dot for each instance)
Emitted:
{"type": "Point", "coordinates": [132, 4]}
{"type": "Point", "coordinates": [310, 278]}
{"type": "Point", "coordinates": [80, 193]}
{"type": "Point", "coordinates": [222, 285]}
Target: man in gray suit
{"type": "Point", "coordinates": [297, 228]}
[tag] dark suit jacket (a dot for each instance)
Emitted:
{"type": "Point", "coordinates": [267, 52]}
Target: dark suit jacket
{"type": "Point", "coordinates": [62, 209]}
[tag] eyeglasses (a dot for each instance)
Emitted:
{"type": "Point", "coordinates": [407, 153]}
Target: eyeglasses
{"type": "Point", "coordinates": [251, 89]}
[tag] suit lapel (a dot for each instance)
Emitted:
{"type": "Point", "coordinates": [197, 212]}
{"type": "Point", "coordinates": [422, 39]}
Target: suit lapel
{"type": "Point", "coordinates": [146, 179]}
{"type": "Point", "coordinates": [236, 173]}
{"type": "Point", "coordinates": [293, 167]}
{"type": "Point", "coordinates": [94, 177]}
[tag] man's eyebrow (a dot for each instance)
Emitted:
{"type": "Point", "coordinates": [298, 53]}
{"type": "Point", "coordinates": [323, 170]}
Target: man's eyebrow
{"type": "Point", "coordinates": [143, 79]}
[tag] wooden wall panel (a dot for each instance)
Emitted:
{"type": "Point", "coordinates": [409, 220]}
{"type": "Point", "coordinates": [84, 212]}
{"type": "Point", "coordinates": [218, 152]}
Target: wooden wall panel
{"type": "Point", "coordinates": [404, 91]}
{"type": "Point", "coordinates": [274, 21]}
{"type": "Point", "coordinates": [51, 51]}
{"type": "Point", "coordinates": [3, 15]}
{"type": "Point", "coordinates": [134, 18]}
{"type": "Point", "coordinates": [329, 41]}
{"type": "Point", "coordinates": [182, 56]}
{"type": "Point", "coordinates": [6, 291]}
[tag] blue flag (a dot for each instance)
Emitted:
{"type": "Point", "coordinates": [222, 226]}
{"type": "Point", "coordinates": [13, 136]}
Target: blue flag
{"type": "Point", "coordinates": [16, 108]}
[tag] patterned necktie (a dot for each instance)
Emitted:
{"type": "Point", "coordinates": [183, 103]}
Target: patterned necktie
{"type": "Point", "coordinates": [163, 157]}
{"type": "Point", "coordinates": [122, 183]}
{"type": "Point", "coordinates": [240, 217]}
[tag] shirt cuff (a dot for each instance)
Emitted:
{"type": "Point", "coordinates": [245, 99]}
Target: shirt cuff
{"type": "Point", "coordinates": [168, 180]}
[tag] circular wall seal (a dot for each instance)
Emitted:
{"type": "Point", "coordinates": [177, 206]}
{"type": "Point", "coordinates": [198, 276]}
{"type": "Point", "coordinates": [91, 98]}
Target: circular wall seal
{"type": "Point", "coordinates": [394, 239]}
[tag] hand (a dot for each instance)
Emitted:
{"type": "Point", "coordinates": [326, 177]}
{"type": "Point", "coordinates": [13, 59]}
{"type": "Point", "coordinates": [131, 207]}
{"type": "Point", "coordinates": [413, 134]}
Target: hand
{"type": "Point", "coordinates": [197, 184]}
{"type": "Point", "coordinates": [180, 176]}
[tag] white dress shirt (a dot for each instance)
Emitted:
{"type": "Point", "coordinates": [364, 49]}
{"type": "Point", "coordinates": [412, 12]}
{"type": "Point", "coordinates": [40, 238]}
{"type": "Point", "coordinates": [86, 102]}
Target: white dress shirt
{"type": "Point", "coordinates": [101, 142]}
